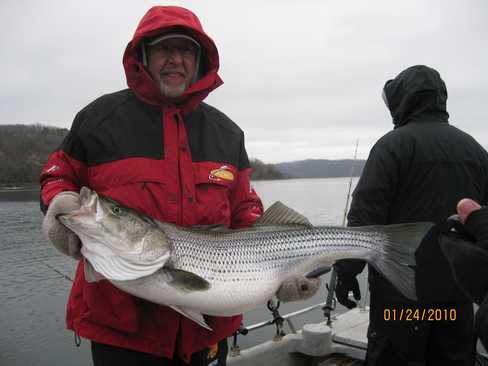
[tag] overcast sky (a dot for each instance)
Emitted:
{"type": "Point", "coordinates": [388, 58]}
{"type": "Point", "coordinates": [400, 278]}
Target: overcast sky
{"type": "Point", "coordinates": [303, 79]}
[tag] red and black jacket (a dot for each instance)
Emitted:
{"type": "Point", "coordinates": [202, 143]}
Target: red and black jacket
{"type": "Point", "coordinates": [182, 162]}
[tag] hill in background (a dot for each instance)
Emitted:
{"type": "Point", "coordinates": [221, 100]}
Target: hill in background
{"type": "Point", "coordinates": [262, 171]}
{"type": "Point", "coordinates": [24, 149]}
{"type": "Point", "coordinates": [320, 168]}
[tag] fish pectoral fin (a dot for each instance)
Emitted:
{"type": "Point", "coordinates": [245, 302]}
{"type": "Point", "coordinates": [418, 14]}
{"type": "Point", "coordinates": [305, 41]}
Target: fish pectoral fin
{"type": "Point", "coordinates": [186, 281]}
{"type": "Point", "coordinates": [280, 214]}
{"type": "Point", "coordinates": [192, 315]}
{"type": "Point", "coordinates": [91, 275]}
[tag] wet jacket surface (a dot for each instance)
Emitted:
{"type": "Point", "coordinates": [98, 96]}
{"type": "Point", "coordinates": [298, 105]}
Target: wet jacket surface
{"type": "Point", "coordinates": [418, 171]}
{"type": "Point", "coordinates": [179, 162]}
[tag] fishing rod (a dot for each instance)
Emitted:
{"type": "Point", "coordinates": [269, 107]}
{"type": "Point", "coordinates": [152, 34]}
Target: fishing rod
{"type": "Point", "coordinates": [330, 303]}
{"type": "Point", "coordinates": [350, 184]}
{"type": "Point", "coordinates": [65, 276]}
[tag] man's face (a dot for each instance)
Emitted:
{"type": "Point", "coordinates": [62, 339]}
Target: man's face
{"type": "Point", "coordinates": [172, 64]}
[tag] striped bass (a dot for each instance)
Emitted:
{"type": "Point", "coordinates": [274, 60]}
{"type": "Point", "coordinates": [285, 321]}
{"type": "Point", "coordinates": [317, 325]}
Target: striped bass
{"type": "Point", "coordinates": [227, 272]}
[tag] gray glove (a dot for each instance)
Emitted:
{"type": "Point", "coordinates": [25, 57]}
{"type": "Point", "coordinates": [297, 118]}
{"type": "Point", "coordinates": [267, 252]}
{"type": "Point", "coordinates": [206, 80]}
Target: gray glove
{"type": "Point", "coordinates": [298, 288]}
{"type": "Point", "coordinates": [65, 240]}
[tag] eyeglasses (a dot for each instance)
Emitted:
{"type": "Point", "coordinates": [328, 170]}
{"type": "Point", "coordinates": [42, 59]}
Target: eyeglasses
{"type": "Point", "coordinates": [186, 49]}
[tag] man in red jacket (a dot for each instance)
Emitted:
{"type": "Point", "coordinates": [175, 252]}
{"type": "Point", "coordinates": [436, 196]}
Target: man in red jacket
{"type": "Point", "coordinates": [157, 148]}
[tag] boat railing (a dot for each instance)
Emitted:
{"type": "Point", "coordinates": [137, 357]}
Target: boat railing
{"type": "Point", "coordinates": [279, 320]}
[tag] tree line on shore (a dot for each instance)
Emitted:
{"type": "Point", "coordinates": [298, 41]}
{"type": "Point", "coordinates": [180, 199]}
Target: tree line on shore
{"type": "Point", "coordinates": [24, 149]}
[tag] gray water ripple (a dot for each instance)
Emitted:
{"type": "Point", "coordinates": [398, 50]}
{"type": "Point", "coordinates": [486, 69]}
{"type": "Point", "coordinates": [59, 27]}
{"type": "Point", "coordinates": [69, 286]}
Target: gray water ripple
{"type": "Point", "coordinates": [33, 295]}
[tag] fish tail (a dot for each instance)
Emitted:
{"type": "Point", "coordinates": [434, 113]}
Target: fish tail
{"type": "Point", "coordinates": [395, 257]}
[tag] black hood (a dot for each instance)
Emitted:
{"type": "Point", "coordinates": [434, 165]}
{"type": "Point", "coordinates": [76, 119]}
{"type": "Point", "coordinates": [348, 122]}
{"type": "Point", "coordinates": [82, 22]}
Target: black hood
{"type": "Point", "coordinates": [416, 93]}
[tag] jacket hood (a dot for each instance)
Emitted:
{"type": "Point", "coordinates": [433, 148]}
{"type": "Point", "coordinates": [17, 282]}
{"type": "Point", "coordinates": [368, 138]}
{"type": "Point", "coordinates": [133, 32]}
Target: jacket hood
{"type": "Point", "coordinates": [416, 93]}
{"type": "Point", "coordinates": [159, 20]}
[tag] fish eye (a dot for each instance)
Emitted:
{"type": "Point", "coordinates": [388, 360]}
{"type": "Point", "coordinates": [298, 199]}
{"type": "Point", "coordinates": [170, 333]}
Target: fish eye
{"type": "Point", "coordinates": [116, 210]}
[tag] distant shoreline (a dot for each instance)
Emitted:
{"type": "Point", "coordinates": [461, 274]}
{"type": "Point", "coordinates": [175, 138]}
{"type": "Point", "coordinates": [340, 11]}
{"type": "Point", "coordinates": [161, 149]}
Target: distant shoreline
{"type": "Point", "coordinates": [19, 193]}
{"type": "Point", "coordinates": [31, 187]}
{"type": "Point", "coordinates": [19, 188]}
{"type": "Point", "coordinates": [31, 192]}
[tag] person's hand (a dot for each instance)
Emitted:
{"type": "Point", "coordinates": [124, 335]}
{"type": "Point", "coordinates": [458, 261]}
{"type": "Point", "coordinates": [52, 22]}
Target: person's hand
{"type": "Point", "coordinates": [65, 240]}
{"type": "Point", "coordinates": [475, 220]}
{"type": "Point", "coordinates": [298, 288]}
{"type": "Point", "coordinates": [465, 207]}
{"type": "Point", "coordinates": [345, 284]}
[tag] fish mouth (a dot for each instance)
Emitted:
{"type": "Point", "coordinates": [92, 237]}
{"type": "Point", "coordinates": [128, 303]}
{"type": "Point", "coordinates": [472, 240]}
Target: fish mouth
{"type": "Point", "coordinates": [65, 218]}
{"type": "Point", "coordinates": [69, 217]}
{"type": "Point", "coordinates": [87, 197]}
{"type": "Point", "coordinates": [88, 206]}
{"type": "Point", "coordinates": [61, 216]}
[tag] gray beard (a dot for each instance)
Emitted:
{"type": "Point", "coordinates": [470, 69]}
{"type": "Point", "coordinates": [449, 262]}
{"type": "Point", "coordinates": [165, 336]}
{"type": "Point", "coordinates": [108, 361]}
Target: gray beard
{"type": "Point", "coordinates": [172, 91]}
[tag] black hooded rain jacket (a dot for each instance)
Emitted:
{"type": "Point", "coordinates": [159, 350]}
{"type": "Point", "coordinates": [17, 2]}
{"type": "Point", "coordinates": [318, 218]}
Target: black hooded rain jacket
{"type": "Point", "coordinates": [418, 172]}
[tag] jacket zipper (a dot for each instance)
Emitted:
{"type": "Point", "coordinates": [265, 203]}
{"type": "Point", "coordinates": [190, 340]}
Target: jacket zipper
{"type": "Point", "coordinates": [180, 193]}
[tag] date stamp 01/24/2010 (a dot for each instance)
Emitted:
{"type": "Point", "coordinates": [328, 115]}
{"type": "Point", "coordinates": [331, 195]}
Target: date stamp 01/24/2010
{"type": "Point", "coordinates": [419, 314]}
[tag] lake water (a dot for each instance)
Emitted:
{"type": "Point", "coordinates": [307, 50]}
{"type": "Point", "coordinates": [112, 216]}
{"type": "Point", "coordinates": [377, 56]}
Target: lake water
{"type": "Point", "coordinates": [33, 290]}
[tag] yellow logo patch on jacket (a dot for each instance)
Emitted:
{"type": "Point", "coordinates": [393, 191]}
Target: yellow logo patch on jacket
{"type": "Point", "coordinates": [223, 173]}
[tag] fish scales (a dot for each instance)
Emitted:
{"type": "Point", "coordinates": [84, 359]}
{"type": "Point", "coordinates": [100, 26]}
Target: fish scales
{"type": "Point", "coordinates": [229, 256]}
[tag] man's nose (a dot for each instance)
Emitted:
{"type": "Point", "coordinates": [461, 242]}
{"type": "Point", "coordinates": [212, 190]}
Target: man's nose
{"type": "Point", "coordinates": [176, 56]}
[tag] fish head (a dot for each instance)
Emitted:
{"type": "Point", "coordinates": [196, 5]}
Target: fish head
{"type": "Point", "coordinates": [125, 232]}
{"type": "Point", "coordinates": [83, 221]}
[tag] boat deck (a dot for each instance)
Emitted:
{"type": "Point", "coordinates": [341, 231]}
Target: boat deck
{"type": "Point", "coordinates": [343, 343]}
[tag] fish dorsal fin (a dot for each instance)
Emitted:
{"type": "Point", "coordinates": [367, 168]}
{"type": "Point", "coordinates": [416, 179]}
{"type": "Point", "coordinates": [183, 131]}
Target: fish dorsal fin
{"type": "Point", "coordinates": [280, 214]}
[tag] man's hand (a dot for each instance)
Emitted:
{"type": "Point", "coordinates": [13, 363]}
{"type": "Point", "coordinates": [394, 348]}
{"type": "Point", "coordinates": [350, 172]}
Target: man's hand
{"type": "Point", "coordinates": [465, 207]}
{"type": "Point", "coordinates": [298, 288]}
{"type": "Point", "coordinates": [66, 241]}
{"type": "Point", "coordinates": [346, 283]}
{"type": "Point", "coordinates": [475, 220]}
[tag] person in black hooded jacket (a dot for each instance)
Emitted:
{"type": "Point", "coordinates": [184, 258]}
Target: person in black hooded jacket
{"type": "Point", "coordinates": [417, 172]}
